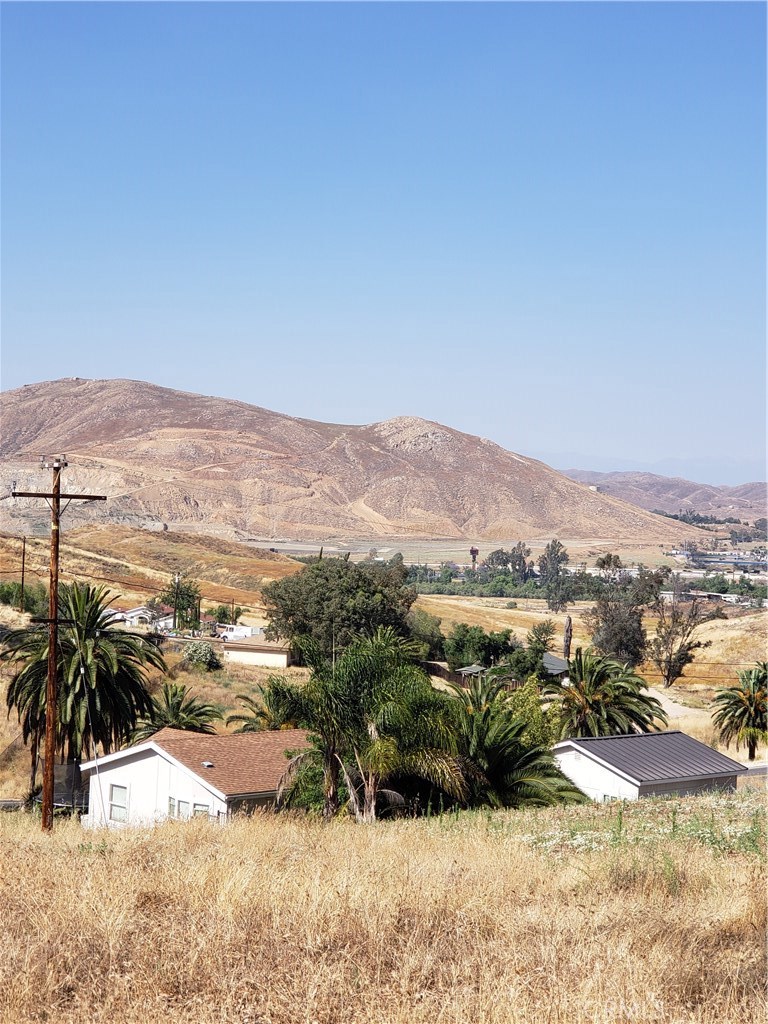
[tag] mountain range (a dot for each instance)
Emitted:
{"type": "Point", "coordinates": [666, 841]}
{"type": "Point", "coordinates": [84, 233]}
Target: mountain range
{"type": "Point", "coordinates": [674, 494]}
{"type": "Point", "coordinates": [185, 460]}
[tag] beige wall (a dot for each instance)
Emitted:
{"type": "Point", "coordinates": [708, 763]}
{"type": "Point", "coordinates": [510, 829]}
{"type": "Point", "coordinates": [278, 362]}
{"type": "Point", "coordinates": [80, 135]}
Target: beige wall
{"type": "Point", "coordinates": [262, 658]}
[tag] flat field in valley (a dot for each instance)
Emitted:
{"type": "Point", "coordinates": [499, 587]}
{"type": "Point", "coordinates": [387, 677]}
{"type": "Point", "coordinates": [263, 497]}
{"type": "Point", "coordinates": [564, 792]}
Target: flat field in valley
{"type": "Point", "coordinates": [647, 912]}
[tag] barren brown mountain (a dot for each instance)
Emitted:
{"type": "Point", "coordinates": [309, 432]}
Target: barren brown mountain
{"type": "Point", "coordinates": [673, 493]}
{"type": "Point", "coordinates": [169, 457]}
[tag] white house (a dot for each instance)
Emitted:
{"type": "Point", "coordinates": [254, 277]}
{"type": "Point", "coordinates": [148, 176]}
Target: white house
{"type": "Point", "coordinates": [141, 616]}
{"type": "Point", "coordinates": [180, 774]}
{"type": "Point", "coordinates": [160, 618]}
{"type": "Point", "coordinates": [645, 764]}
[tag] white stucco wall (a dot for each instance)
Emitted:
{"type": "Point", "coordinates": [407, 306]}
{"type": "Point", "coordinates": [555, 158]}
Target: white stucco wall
{"type": "Point", "coordinates": [265, 659]}
{"type": "Point", "coordinates": [150, 780]}
{"type": "Point", "coordinates": [598, 782]}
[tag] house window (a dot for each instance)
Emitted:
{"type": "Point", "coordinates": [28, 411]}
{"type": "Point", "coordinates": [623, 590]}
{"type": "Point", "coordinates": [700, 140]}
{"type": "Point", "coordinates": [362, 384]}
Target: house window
{"type": "Point", "coordinates": [171, 807]}
{"type": "Point", "coordinates": [118, 803]}
{"type": "Point", "coordinates": [183, 809]}
{"type": "Point", "coordinates": [200, 810]}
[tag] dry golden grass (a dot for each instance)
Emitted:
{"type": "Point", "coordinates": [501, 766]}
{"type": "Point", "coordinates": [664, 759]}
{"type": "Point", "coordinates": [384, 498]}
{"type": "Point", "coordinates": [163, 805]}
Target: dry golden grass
{"type": "Point", "coordinates": [140, 563]}
{"type": "Point", "coordinates": [736, 643]}
{"type": "Point", "coordinates": [594, 915]}
{"type": "Point", "coordinates": [492, 613]}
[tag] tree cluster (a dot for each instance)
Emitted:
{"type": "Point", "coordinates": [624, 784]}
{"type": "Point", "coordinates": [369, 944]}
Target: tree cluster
{"type": "Point", "coordinates": [383, 738]}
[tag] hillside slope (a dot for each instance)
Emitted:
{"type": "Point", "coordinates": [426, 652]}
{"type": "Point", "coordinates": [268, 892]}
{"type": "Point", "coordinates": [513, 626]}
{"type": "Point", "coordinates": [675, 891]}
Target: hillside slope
{"type": "Point", "coordinates": [165, 456]}
{"type": "Point", "coordinates": [138, 564]}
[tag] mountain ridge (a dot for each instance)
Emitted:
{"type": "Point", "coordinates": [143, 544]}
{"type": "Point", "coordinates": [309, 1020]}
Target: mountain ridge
{"type": "Point", "coordinates": [171, 457]}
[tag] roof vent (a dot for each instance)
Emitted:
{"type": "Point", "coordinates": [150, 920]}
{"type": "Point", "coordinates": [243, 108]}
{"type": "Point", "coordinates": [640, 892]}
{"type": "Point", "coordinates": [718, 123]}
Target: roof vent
{"type": "Point", "coordinates": [207, 764]}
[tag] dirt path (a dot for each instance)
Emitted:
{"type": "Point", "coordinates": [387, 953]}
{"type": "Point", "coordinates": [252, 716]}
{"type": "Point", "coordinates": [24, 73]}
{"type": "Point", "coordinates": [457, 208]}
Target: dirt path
{"type": "Point", "coordinates": [675, 710]}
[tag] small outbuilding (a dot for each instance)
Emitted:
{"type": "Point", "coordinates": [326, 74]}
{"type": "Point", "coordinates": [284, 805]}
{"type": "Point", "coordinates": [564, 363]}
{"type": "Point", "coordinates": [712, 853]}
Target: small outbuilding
{"type": "Point", "coordinates": [645, 764]}
{"type": "Point", "coordinates": [179, 774]}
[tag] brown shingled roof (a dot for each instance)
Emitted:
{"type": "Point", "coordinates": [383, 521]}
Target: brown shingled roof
{"type": "Point", "coordinates": [243, 763]}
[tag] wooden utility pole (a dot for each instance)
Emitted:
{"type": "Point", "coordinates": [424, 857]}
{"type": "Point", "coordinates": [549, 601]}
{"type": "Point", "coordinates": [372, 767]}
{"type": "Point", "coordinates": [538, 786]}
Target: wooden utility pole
{"type": "Point", "coordinates": [56, 464]}
{"type": "Point", "coordinates": [23, 565]}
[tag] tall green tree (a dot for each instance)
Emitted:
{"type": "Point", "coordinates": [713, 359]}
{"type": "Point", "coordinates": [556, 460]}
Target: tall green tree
{"type": "Point", "coordinates": [183, 594]}
{"type": "Point", "coordinates": [177, 708]}
{"type": "Point", "coordinates": [610, 565]}
{"type": "Point", "coordinates": [741, 711]}
{"type": "Point", "coordinates": [502, 766]}
{"type": "Point", "coordinates": [602, 698]}
{"type": "Point", "coordinates": [616, 620]}
{"type": "Point", "coordinates": [334, 601]}
{"type": "Point", "coordinates": [552, 561]}
{"type": "Point", "coordinates": [102, 675]}
{"type": "Point", "coordinates": [557, 588]}
{"type": "Point", "coordinates": [616, 625]}
{"type": "Point", "coordinates": [514, 562]}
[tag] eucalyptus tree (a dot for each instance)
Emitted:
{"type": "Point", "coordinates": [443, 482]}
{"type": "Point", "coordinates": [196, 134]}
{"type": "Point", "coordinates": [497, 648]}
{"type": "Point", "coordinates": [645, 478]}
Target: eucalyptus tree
{"type": "Point", "coordinates": [102, 675]}
{"type": "Point", "coordinates": [741, 711]}
{"type": "Point", "coordinates": [602, 697]}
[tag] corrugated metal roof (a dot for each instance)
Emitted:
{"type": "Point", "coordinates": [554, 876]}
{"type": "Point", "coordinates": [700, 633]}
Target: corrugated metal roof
{"type": "Point", "coordinates": [657, 757]}
{"type": "Point", "coordinates": [554, 665]}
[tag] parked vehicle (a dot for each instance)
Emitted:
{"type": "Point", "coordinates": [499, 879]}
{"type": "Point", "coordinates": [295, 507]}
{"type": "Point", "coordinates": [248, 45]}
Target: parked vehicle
{"type": "Point", "coordinates": [234, 632]}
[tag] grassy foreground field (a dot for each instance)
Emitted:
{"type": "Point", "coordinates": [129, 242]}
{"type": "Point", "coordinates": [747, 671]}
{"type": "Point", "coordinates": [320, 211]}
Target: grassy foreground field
{"type": "Point", "coordinates": [606, 913]}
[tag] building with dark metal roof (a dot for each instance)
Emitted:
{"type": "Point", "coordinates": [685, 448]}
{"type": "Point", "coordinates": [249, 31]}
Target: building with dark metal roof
{"type": "Point", "coordinates": [645, 764]}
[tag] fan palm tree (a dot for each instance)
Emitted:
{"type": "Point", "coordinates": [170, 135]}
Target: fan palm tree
{"type": "Point", "coordinates": [502, 769]}
{"type": "Point", "coordinates": [274, 708]}
{"type": "Point", "coordinates": [177, 709]}
{"type": "Point", "coordinates": [741, 712]}
{"type": "Point", "coordinates": [603, 698]}
{"type": "Point", "coordinates": [101, 677]}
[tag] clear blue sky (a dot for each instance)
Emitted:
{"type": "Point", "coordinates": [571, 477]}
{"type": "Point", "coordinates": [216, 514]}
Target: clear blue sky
{"type": "Point", "coordinates": [540, 223]}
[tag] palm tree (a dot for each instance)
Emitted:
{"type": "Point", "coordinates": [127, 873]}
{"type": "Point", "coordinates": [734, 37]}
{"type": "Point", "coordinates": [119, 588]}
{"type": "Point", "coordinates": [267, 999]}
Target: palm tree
{"type": "Point", "coordinates": [502, 769]}
{"type": "Point", "coordinates": [177, 709]}
{"type": "Point", "coordinates": [274, 708]}
{"type": "Point", "coordinates": [603, 698]}
{"type": "Point", "coordinates": [401, 726]}
{"type": "Point", "coordinates": [742, 711]}
{"type": "Point", "coordinates": [101, 677]}
{"type": "Point", "coordinates": [374, 717]}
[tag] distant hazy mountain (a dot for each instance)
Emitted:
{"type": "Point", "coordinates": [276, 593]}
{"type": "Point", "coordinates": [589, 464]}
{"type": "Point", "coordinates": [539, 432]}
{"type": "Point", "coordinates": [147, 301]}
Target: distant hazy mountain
{"type": "Point", "coordinates": [670, 494]}
{"type": "Point", "coordinates": [166, 456]}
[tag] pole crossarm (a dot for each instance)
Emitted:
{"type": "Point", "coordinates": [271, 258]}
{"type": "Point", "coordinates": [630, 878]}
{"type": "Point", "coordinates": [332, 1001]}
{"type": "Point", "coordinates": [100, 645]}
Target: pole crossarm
{"type": "Point", "coordinates": [70, 497]}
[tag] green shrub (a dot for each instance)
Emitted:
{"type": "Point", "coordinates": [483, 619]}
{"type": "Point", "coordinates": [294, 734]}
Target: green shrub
{"type": "Point", "coordinates": [201, 655]}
